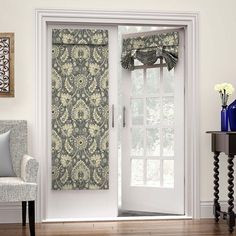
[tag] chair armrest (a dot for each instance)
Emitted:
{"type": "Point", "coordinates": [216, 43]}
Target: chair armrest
{"type": "Point", "coordinates": [29, 169]}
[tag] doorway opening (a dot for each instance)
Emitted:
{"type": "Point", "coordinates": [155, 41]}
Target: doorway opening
{"type": "Point", "coordinates": [103, 205]}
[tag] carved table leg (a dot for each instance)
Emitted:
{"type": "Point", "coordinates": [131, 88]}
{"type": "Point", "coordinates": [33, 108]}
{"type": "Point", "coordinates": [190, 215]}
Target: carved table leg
{"type": "Point", "coordinates": [216, 206]}
{"type": "Point", "coordinates": [231, 217]}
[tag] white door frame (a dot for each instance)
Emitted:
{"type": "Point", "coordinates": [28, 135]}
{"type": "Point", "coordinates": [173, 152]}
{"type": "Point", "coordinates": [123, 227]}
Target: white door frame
{"type": "Point", "coordinates": [189, 20]}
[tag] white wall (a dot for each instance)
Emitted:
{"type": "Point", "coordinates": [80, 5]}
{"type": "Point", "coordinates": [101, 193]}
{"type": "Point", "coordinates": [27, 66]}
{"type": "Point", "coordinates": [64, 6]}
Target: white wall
{"type": "Point", "coordinates": [217, 60]}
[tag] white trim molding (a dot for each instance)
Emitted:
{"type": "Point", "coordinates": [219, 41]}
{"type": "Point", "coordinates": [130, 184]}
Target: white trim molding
{"type": "Point", "coordinates": [10, 212]}
{"type": "Point", "coordinates": [188, 20]}
{"type": "Point", "coordinates": [206, 208]}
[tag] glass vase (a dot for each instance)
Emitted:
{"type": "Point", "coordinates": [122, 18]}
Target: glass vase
{"type": "Point", "coordinates": [232, 115]}
{"type": "Point", "coordinates": [224, 118]}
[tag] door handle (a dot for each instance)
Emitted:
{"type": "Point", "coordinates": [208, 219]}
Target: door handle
{"type": "Point", "coordinates": [124, 116]}
{"type": "Point", "coordinates": [112, 116]}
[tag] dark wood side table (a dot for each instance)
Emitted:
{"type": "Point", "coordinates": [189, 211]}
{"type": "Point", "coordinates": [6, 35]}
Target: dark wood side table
{"type": "Point", "coordinates": [224, 142]}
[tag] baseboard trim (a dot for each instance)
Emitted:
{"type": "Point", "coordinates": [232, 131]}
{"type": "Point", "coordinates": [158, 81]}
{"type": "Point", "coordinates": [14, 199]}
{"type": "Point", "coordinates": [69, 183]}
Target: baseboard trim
{"type": "Point", "coordinates": [10, 212]}
{"type": "Point", "coordinates": [206, 208]}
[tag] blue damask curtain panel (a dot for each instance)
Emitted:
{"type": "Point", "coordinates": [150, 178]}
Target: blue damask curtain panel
{"type": "Point", "coordinates": [80, 109]}
{"type": "Point", "coordinates": [147, 49]}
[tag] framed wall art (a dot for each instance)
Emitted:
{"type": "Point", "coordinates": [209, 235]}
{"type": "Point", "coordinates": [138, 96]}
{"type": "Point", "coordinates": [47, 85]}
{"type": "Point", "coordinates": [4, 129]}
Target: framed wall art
{"type": "Point", "coordinates": [6, 64]}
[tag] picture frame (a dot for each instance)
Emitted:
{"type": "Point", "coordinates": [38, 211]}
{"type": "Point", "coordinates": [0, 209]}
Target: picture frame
{"type": "Point", "coordinates": [7, 52]}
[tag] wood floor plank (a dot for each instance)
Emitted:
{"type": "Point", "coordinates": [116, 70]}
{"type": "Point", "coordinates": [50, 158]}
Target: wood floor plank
{"type": "Point", "coordinates": [205, 227]}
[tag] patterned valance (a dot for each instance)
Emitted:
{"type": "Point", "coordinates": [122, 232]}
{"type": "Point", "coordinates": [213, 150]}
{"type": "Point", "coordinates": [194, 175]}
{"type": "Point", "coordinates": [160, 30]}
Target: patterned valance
{"type": "Point", "coordinates": [80, 36]}
{"type": "Point", "coordinates": [147, 49]}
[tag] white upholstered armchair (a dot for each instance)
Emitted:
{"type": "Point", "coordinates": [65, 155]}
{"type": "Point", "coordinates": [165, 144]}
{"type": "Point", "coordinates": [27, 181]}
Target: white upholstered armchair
{"type": "Point", "coordinates": [20, 185]}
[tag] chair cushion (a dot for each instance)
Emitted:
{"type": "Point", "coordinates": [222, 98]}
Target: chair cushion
{"type": "Point", "coordinates": [14, 189]}
{"type": "Point", "coordinates": [6, 168]}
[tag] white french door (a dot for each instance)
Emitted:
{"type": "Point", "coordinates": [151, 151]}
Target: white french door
{"type": "Point", "coordinates": [152, 137]}
{"type": "Point", "coordinates": [84, 204]}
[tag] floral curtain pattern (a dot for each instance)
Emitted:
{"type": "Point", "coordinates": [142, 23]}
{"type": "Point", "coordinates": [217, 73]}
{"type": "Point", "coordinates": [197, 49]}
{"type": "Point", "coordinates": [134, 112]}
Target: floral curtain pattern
{"type": "Point", "coordinates": [147, 49]}
{"type": "Point", "coordinates": [80, 112]}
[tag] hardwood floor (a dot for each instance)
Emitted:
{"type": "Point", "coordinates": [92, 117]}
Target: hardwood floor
{"type": "Point", "coordinates": [134, 228]}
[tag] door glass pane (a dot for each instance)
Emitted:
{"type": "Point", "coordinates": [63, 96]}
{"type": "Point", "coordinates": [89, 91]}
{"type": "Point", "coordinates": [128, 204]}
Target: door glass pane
{"type": "Point", "coordinates": [137, 147]}
{"type": "Point", "coordinates": [137, 108]}
{"type": "Point", "coordinates": [168, 110]}
{"type": "Point", "coordinates": [137, 63]}
{"type": "Point", "coordinates": [153, 173]}
{"type": "Point", "coordinates": [137, 82]}
{"type": "Point", "coordinates": [137, 120]}
{"type": "Point", "coordinates": [137, 176]}
{"type": "Point", "coordinates": [153, 80]}
{"type": "Point", "coordinates": [168, 80]}
{"type": "Point", "coordinates": [168, 141]}
{"type": "Point", "coordinates": [168, 173]}
{"type": "Point", "coordinates": [153, 142]}
{"type": "Point", "coordinates": [153, 111]}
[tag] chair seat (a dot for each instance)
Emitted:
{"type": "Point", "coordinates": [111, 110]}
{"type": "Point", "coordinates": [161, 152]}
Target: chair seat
{"type": "Point", "coordinates": [14, 189]}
